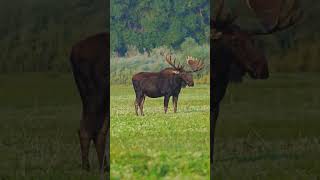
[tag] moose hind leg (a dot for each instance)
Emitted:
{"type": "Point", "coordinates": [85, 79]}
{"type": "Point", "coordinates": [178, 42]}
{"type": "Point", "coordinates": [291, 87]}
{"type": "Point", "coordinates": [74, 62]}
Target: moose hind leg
{"type": "Point", "coordinates": [141, 105]}
{"type": "Point", "coordinates": [84, 145]}
{"type": "Point", "coordinates": [101, 147]}
{"type": "Point", "coordinates": [137, 103]}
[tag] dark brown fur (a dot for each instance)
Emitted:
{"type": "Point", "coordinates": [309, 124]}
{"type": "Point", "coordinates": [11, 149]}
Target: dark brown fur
{"type": "Point", "coordinates": [90, 64]}
{"type": "Point", "coordinates": [157, 84]}
{"type": "Point", "coordinates": [233, 52]}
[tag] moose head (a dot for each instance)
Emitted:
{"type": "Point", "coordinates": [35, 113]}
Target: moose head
{"type": "Point", "coordinates": [231, 42]}
{"type": "Point", "coordinates": [185, 76]}
{"type": "Point", "coordinates": [234, 47]}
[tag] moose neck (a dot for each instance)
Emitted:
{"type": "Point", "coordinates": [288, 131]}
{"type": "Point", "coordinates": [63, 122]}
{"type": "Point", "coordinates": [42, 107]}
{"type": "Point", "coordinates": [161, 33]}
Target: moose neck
{"type": "Point", "coordinates": [221, 59]}
{"type": "Point", "coordinates": [177, 83]}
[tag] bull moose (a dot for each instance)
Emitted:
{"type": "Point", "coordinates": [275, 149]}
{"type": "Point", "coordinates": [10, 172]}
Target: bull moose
{"type": "Point", "coordinates": [232, 45]}
{"type": "Point", "coordinates": [89, 59]}
{"type": "Point", "coordinates": [167, 82]}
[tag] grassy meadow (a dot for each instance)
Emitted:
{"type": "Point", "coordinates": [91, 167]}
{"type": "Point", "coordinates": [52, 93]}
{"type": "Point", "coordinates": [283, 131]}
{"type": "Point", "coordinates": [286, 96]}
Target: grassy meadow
{"type": "Point", "coordinates": [267, 130]}
{"type": "Point", "coordinates": [39, 115]}
{"type": "Point", "coordinates": [158, 145]}
{"type": "Point", "coordinates": [270, 129]}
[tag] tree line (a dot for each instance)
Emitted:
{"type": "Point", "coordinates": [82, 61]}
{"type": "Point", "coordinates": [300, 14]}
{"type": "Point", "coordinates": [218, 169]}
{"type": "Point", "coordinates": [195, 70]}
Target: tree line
{"type": "Point", "coordinates": [148, 24]}
{"type": "Point", "coordinates": [36, 35]}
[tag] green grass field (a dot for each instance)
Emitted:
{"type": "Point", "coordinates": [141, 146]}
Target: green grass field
{"type": "Point", "coordinates": [158, 145]}
{"type": "Point", "coordinates": [39, 114]}
{"type": "Point", "coordinates": [267, 130]}
{"type": "Point", "coordinates": [270, 129]}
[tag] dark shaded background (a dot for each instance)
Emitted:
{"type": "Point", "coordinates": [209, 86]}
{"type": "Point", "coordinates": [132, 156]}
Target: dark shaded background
{"type": "Point", "coordinates": [40, 108]}
{"type": "Point", "coordinates": [269, 129]}
{"type": "Point", "coordinates": [37, 35]}
{"type": "Point", "coordinates": [293, 50]}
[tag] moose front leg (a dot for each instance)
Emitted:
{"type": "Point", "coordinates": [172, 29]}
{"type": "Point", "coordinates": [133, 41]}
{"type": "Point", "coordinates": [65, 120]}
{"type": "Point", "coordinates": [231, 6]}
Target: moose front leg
{"type": "Point", "coordinates": [214, 118]}
{"type": "Point", "coordinates": [101, 142]}
{"type": "Point", "coordinates": [84, 145]}
{"type": "Point", "coordinates": [166, 102]}
{"type": "Point", "coordinates": [175, 103]}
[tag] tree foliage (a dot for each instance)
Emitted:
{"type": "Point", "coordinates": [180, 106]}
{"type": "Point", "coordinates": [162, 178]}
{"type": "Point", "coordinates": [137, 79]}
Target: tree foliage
{"type": "Point", "coordinates": [147, 24]}
{"type": "Point", "coordinates": [36, 35]}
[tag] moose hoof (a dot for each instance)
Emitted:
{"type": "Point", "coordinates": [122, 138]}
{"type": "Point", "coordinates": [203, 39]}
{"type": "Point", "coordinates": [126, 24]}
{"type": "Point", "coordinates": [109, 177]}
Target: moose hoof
{"type": "Point", "coordinates": [106, 169]}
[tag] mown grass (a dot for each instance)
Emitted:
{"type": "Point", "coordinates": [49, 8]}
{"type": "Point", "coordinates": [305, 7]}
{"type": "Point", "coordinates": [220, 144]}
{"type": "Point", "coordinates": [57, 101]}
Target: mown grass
{"type": "Point", "coordinates": [267, 130]}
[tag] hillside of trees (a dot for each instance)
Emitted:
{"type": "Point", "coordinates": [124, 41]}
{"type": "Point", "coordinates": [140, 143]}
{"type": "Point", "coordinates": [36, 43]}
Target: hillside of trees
{"type": "Point", "coordinates": [147, 24]}
{"type": "Point", "coordinates": [36, 35]}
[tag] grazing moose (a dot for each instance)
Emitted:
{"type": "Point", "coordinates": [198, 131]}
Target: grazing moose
{"type": "Point", "coordinates": [233, 45]}
{"type": "Point", "coordinates": [89, 59]}
{"type": "Point", "coordinates": [167, 82]}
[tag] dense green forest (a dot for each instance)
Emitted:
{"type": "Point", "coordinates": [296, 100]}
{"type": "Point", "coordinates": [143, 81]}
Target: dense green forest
{"type": "Point", "coordinates": [147, 24]}
{"type": "Point", "coordinates": [36, 35]}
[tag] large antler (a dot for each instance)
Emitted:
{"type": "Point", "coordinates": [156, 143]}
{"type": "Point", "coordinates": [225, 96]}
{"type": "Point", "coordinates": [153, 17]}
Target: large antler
{"type": "Point", "coordinates": [221, 17]}
{"type": "Point", "coordinates": [168, 58]}
{"type": "Point", "coordinates": [195, 64]}
{"type": "Point", "coordinates": [276, 15]}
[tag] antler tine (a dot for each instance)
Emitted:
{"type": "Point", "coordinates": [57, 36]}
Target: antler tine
{"type": "Point", "coordinates": [289, 18]}
{"type": "Point", "coordinates": [200, 65]}
{"type": "Point", "coordinates": [293, 15]}
{"type": "Point", "coordinates": [174, 62]}
{"type": "Point", "coordinates": [222, 19]}
{"type": "Point", "coordinates": [219, 10]}
{"type": "Point", "coordinates": [169, 61]}
{"type": "Point", "coordinates": [195, 64]}
{"type": "Point", "coordinates": [179, 66]}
